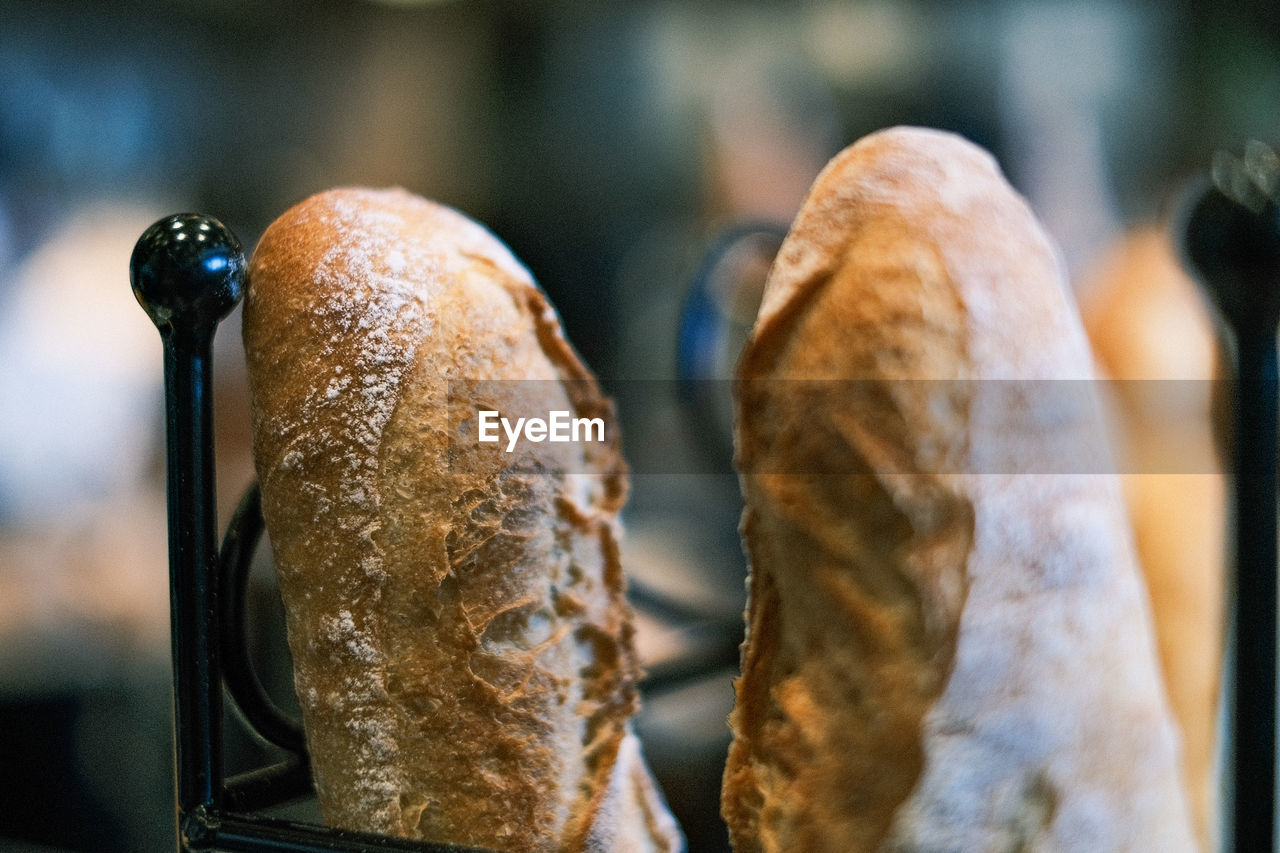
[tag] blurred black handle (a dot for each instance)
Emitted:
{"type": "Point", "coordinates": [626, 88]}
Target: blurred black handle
{"type": "Point", "coordinates": [1252, 633]}
{"type": "Point", "coordinates": [1232, 242]}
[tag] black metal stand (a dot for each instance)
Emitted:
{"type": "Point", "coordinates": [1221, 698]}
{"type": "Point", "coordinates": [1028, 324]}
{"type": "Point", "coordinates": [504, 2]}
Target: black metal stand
{"type": "Point", "coordinates": [1233, 243]}
{"type": "Point", "coordinates": [187, 272]}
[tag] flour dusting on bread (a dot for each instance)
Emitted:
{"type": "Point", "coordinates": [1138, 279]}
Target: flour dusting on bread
{"type": "Point", "coordinates": [461, 639]}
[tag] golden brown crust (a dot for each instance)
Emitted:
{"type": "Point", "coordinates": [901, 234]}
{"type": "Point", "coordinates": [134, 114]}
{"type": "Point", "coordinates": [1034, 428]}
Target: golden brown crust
{"type": "Point", "coordinates": [461, 641]}
{"type": "Point", "coordinates": [939, 656]}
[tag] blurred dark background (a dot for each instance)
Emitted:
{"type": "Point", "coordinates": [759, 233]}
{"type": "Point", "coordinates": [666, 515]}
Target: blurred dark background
{"type": "Point", "coordinates": [608, 144]}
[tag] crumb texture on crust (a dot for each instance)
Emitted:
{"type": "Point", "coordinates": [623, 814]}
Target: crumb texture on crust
{"type": "Point", "coordinates": [938, 657]}
{"type": "Point", "coordinates": [461, 641]}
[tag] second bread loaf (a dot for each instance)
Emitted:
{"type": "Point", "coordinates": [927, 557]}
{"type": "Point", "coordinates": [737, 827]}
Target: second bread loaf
{"type": "Point", "coordinates": [948, 645]}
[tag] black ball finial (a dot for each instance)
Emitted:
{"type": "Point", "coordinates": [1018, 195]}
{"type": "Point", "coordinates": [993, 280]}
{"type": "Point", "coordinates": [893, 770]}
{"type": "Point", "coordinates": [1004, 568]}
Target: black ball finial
{"type": "Point", "coordinates": [187, 272]}
{"type": "Point", "coordinates": [1232, 238]}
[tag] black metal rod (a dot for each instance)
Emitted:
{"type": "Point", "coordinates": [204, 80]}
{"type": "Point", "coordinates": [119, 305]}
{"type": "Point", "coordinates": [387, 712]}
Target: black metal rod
{"type": "Point", "coordinates": [193, 589]}
{"type": "Point", "coordinates": [251, 834]}
{"type": "Point", "coordinates": [1253, 626]}
{"type": "Point", "coordinates": [268, 787]}
{"type": "Point", "coordinates": [187, 272]}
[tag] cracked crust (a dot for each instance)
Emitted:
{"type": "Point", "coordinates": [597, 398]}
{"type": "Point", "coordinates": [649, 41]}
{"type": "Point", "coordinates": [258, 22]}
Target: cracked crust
{"type": "Point", "coordinates": [461, 640]}
{"type": "Point", "coordinates": [939, 656]}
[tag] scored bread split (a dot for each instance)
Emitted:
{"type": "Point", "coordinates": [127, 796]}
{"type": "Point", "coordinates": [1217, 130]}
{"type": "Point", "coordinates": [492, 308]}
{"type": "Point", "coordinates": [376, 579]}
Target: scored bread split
{"type": "Point", "coordinates": [948, 644]}
{"type": "Point", "coordinates": [456, 613]}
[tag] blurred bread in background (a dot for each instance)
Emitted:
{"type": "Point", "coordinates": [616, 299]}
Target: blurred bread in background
{"type": "Point", "coordinates": [1152, 333]}
{"type": "Point", "coordinates": [84, 589]}
{"type": "Point", "coordinates": [83, 551]}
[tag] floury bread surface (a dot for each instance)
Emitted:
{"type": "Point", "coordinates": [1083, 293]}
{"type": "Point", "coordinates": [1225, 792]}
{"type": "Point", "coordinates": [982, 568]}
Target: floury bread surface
{"type": "Point", "coordinates": [461, 642]}
{"type": "Point", "coordinates": [942, 653]}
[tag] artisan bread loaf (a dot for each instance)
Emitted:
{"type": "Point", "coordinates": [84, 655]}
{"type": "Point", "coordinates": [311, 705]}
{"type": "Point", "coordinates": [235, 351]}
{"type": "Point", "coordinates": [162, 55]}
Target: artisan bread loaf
{"type": "Point", "coordinates": [948, 646]}
{"type": "Point", "coordinates": [461, 642]}
{"type": "Point", "coordinates": [1153, 336]}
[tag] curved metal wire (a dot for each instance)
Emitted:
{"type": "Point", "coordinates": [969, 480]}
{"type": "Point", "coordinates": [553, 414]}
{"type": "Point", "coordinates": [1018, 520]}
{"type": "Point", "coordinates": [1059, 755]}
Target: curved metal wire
{"type": "Point", "coordinates": [711, 335]}
{"type": "Point", "coordinates": [251, 698]}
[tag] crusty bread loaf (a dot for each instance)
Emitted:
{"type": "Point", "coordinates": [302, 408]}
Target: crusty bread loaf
{"type": "Point", "coordinates": [461, 642]}
{"type": "Point", "coordinates": [1151, 331]}
{"type": "Point", "coordinates": [940, 655]}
